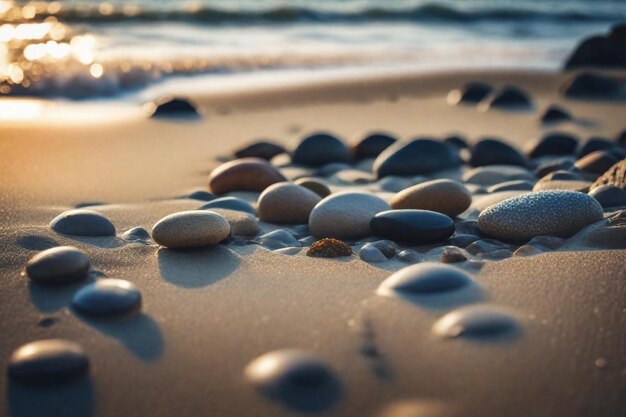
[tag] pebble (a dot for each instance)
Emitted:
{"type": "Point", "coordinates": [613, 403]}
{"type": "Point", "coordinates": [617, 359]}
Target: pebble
{"type": "Point", "coordinates": [247, 174]}
{"type": "Point", "coordinates": [261, 149]}
{"type": "Point", "coordinates": [417, 157]}
{"type": "Point", "coordinates": [107, 297]}
{"type": "Point", "coordinates": [475, 321]}
{"type": "Point", "coordinates": [230, 203]}
{"type": "Point", "coordinates": [452, 254]}
{"type": "Point", "coordinates": [320, 149]}
{"type": "Point", "coordinates": [561, 174]}
{"type": "Point", "coordinates": [510, 98]}
{"type": "Point", "coordinates": [570, 185]}
{"type": "Point", "coordinates": [484, 246]}
{"type": "Point", "coordinates": [136, 234]}
{"type": "Point", "coordinates": [81, 222]}
{"type": "Point", "coordinates": [595, 144]}
{"type": "Point", "coordinates": [470, 93]}
{"type": "Point", "coordinates": [616, 175]}
{"type": "Point", "coordinates": [418, 227]}
{"type": "Point", "coordinates": [527, 250]}
{"type": "Point", "coordinates": [609, 196]}
{"type": "Point", "coordinates": [59, 265]}
{"type": "Point", "coordinates": [444, 196]}
{"type": "Point", "coordinates": [278, 239]}
{"type": "Point", "coordinates": [457, 141]}
{"type": "Point", "coordinates": [515, 185]}
{"type": "Point", "coordinates": [345, 215]}
{"type": "Point", "coordinates": [371, 254]}
{"type": "Point", "coordinates": [547, 242]}
{"type": "Point", "coordinates": [480, 203]}
{"type": "Point", "coordinates": [424, 278]}
{"type": "Point", "coordinates": [298, 379]}
{"type": "Point", "coordinates": [463, 240]}
{"type": "Point", "coordinates": [495, 174]}
{"type": "Point", "coordinates": [372, 145]}
{"type": "Point", "coordinates": [589, 85]}
{"type": "Point", "coordinates": [387, 247]}
{"type": "Point", "coordinates": [332, 168]}
{"type": "Point", "coordinates": [555, 114]}
{"type": "Point", "coordinates": [495, 152]}
{"type": "Point", "coordinates": [599, 51]}
{"type": "Point", "coordinates": [597, 162]}
{"type": "Point", "coordinates": [329, 248]}
{"type": "Point", "coordinates": [526, 216]}
{"type": "Point", "coordinates": [189, 229]}
{"type": "Point", "coordinates": [553, 144]}
{"type": "Point", "coordinates": [394, 184]}
{"type": "Point", "coordinates": [201, 195]}
{"type": "Point", "coordinates": [409, 256]}
{"type": "Point", "coordinates": [288, 251]}
{"type": "Point", "coordinates": [167, 106]}
{"type": "Point", "coordinates": [48, 361]}
{"type": "Point", "coordinates": [286, 202]}
{"type": "Point", "coordinates": [241, 223]}
{"type": "Point", "coordinates": [314, 185]}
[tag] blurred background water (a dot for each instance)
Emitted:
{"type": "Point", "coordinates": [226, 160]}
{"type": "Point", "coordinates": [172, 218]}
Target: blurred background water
{"type": "Point", "coordinates": [87, 49]}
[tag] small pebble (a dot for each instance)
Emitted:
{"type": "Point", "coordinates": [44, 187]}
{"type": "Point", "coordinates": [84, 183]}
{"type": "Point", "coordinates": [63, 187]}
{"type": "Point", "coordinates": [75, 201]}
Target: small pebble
{"type": "Point", "coordinates": [81, 222]}
{"type": "Point", "coordinates": [372, 145]}
{"type": "Point", "coordinates": [136, 234]}
{"type": "Point", "coordinates": [595, 144]}
{"type": "Point", "coordinates": [452, 254]}
{"type": "Point", "coordinates": [241, 223]}
{"type": "Point", "coordinates": [320, 149]}
{"type": "Point", "coordinates": [597, 162]}
{"type": "Point", "coordinates": [59, 265]}
{"type": "Point", "coordinates": [510, 98]}
{"type": "Point", "coordinates": [424, 278]}
{"type": "Point", "coordinates": [201, 195]}
{"type": "Point", "coordinates": [329, 248]}
{"type": "Point", "coordinates": [261, 149]}
{"type": "Point", "coordinates": [587, 85]}
{"type": "Point", "coordinates": [555, 114]}
{"type": "Point", "coordinates": [470, 93]}
{"type": "Point", "coordinates": [475, 321]}
{"type": "Point", "coordinates": [495, 174]}
{"type": "Point", "coordinates": [616, 175]}
{"type": "Point", "coordinates": [527, 250]}
{"type": "Point", "coordinates": [107, 297]}
{"type": "Point", "coordinates": [609, 196]}
{"type": "Point", "coordinates": [278, 239]}
{"type": "Point", "coordinates": [412, 226]}
{"type": "Point", "coordinates": [230, 203]}
{"type": "Point", "coordinates": [285, 202]}
{"type": "Point", "coordinates": [168, 106]}
{"type": "Point", "coordinates": [189, 229]}
{"type": "Point", "coordinates": [247, 174]}
{"type": "Point", "coordinates": [555, 143]}
{"type": "Point", "coordinates": [409, 256]}
{"type": "Point", "coordinates": [48, 361]}
{"type": "Point", "coordinates": [371, 254]}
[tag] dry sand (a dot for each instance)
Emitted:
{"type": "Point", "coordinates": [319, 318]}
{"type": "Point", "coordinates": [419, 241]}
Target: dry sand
{"type": "Point", "coordinates": [208, 312]}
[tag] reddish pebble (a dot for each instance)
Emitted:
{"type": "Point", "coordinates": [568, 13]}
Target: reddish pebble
{"type": "Point", "coordinates": [246, 174]}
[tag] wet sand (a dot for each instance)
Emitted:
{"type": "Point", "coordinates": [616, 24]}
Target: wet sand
{"type": "Point", "coordinates": [208, 312]}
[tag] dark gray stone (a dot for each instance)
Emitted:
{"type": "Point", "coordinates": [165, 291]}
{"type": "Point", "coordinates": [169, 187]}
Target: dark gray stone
{"type": "Point", "coordinates": [230, 203]}
{"type": "Point", "coordinates": [412, 226]}
{"type": "Point", "coordinates": [59, 265]}
{"type": "Point", "coordinates": [417, 157]}
{"type": "Point", "coordinates": [82, 222]}
{"type": "Point", "coordinates": [320, 149]}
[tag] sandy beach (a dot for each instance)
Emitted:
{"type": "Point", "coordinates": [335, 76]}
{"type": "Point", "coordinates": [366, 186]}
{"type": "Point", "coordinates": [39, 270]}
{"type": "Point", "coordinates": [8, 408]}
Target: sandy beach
{"type": "Point", "coordinates": [208, 312]}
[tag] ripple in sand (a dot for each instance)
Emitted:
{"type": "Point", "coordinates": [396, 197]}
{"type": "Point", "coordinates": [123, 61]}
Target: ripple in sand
{"type": "Point", "coordinates": [476, 321]}
{"type": "Point", "coordinates": [107, 297]}
{"type": "Point", "coordinates": [299, 380]}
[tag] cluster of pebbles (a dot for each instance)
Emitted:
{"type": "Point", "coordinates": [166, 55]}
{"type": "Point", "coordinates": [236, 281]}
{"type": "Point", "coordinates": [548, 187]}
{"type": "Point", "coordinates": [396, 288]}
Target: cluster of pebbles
{"type": "Point", "coordinates": [418, 205]}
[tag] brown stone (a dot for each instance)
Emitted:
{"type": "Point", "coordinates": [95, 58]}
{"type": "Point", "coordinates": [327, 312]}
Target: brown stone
{"type": "Point", "coordinates": [329, 248]}
{"type": "Point", "coordinates": [616, 175]}
{"type": "Point", "coordinates": [597, 162]}
{"type": "Point", "coordinates": [246, 174]}
{"type": "Point", "coordinates": [444, 196]}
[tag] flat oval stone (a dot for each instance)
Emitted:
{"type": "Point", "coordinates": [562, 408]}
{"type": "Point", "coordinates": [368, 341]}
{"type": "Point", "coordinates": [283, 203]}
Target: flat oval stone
{"type": "Point", "coordinates": [418, 227]}
{"type": "Point", "coordinates": [444, 196]}
{"type": "Point", "coordinates": [515, 185]}
{"type": "Point", "coordinates": [230, 203]}
{"type": "Point", "coordinates": [424, 278]}
{"type": "Point", "coordinates": [241, 223]}
{"type": "Point", "coordinates": [417, 157]}
{"type": "Point", "coordinates": [107, 297]}
{"type": "Point", "coordinates": [597, 162]}
{"type": "Point", "coordinates": [475, 321]}
{"type": "Point", "coordinates": [262, 149]}
{"type": "Point", "coordinates": [247, 174]}
{"type": "Point", "coordinates": [495, 152]}
{"type": "Point", "coordinates": [189, 229]}
{"type": "Point", "coordinates": [201, 195]}
{"type": "Point", "coordinates": [329, 248]}
{"type": "Point", "coordinates": [168, 106]}
{"type": "Point", "coordinates": [314, 185]}
{"type": "Point", "coordinates": [495, 174]}
{"type": "Point", "coordinates": [570, 185]}
{"type": "Point", "coordinates": [555, 114]}
{"type": "Point", "coordinates": [48, 361]}
{"type": "Point", "coordinates": [58, 265]}
{"type": "Point", "coordinates": [81, 222]}
{"type": "Point", "coordinates": [510, 98]}
{"type": "Point", "coordinates": [409, 256]}
{"type": "Point", "coordinates": [616, 175]}
{"type": "Point", "coordinates": [286, 202]}
{"type": "Point", "coordinates": [609, 196]}
{"type": "Point", "coordinates": [562, 175]}
{"type": "Point", "coordinates": [345, 215]}
{"type": "Point", "coordinates": [457, 141]}
{"type": "Point", "coordinates": [298, 379]}
{"type": "Point", "coordinates": [372, 145]}
{"type": "Point", "coordinates": [555, 143]}
{"type": "Point", "coordinates": [470, 93]}
{"type": "Point", "coordinates": [320, 149]}
{"type": "Point", "coordinates": [559, 213]}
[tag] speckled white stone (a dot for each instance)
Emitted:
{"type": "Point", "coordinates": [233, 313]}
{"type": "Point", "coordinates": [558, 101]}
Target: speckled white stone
{"type": "Point", "coordinates": [558, 213]}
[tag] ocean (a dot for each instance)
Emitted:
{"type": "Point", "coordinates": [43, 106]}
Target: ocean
{"type": "Point", "coordinates": [90, 49]}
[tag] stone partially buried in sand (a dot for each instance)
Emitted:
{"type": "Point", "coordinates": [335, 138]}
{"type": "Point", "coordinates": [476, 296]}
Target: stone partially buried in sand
{"type": "Point", "coordinates": [345, 215]}
{"type": "Point", "coordinates": [444, 196]}
{"type": "Point", "coordinates": [241, 223]}
{"type": "Point", "coordinates": [495, 174]}
{"type": "Point", "coordinates": [189, 229]}
{"type": "Point", "coordinates": [261, 149]}
{"type": "Point", "coordinates": [81, 222]}
{"type": "Point", "coordinates": [314, 185]}
{"type": "Point", "coordinates": [372, 145]}
{"type": "Point", "coordinates": [286, 202]}
{"type": "Point", "coordinates": [597, 162]}
{"type": "Point", "coordinates": [247, 174]}
{"type": "Point", "coordinates": [298, 379]}
{"type": "Point", "coordinates": [509, 98]}
{"type": "Point", "coordinates": [329, 248]}
{"type": "Point", "coordinates": [320, 149]}
{"type": "Point", "coordinates": [555, 143]}
{"type": "Point", "coordinates": [48, 361]}
{"type": "Point", "coordinates": [593, 86]}
{"type": "Point", "coordinates": [424, 278]}
{"type": "Point", "coordinates": [616, 175]}
{"type": "Point", "coordinates": [417, 157]}
{"type": "Point", "coordinates": [555, 114]}
{"type": "Point", "coordinates": [559, 213]}
{"type": "Point", "coordinates": [168, 106]}
{"type": "Point", "coordinates": [418, 227]}
{"type": "Point", "coordinates": [476, 321]}
{"type": "Point", "coordinates": [230, 203]}
{"type": "Point", "coordinates": [107, 297]}
{"type": "Point", "coordinates": [58, 265]}
{"type": "Point", "coordinates": [470, 93]}
{"type": "Point", "coordinates": [495, 152]}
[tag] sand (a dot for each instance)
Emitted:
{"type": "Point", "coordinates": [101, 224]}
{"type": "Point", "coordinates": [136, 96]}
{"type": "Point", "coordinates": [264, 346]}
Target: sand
{"type": "Point", "coordinates": [208, 312]}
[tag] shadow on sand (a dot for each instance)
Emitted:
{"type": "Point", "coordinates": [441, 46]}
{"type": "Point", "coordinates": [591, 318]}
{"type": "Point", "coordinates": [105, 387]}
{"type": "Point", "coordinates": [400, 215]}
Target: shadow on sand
{"type": "Point", "coordinates": [196, 268]}
{"type": "Point", "coordinates": [68, 399]}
